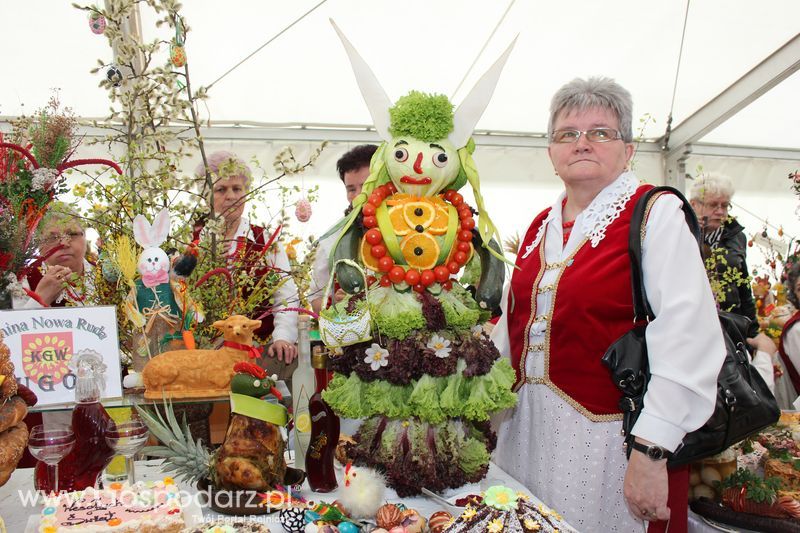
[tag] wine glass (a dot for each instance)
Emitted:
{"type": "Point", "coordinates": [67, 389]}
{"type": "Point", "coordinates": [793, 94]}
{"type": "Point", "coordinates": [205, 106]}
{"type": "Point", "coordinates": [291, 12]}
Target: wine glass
{"type": "Point", "coordinates": [126, 438]}
{"type": "Point", "coordinates": [50, 444]}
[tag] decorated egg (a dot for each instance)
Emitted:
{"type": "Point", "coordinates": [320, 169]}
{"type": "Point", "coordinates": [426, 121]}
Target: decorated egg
{"type": "Point", "coordinates": [114, 75]}
{"type": "Point", "coordinates": [293, 520]}
{"type": "Point", "coordinates": [439, 521]}
{"type": "Point", "coordinates": [338, 505]}
{"type": "Point", "coordinates": [348, 527]}
{"type": "Point", "coordinates": [310, 516]}
{"type": "Point", "coordinates": [327, 528]}
{"type": "Point", "coordinates": [177, 55]}
{"type": "Point", "coordinates": [388, 516]}
{"type": "Point", "coordinates": [412, 521]}
{"type": "Point", "coordinates": [97, 23]}
{"type": "Point", "coordinates": [302, 210]}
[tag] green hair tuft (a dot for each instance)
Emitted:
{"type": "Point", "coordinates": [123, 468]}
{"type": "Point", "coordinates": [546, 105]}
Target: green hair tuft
{"type": "Point", "coordinates": [427, 117]}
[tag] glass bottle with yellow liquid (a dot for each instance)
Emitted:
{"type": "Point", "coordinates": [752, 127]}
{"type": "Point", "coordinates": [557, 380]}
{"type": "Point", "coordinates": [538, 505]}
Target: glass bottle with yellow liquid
{"type": "Point", "coordinates": [303, 386]}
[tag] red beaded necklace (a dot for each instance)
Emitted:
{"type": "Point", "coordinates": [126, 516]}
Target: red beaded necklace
{"type": "Point", "coordinates": [566, 227]}
{"type": "Point", "coordinates": [397, 274]}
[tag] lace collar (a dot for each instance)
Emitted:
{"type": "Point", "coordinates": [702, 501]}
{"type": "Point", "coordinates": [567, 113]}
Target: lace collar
{"type": "Point", "coordinates": [593, 221]}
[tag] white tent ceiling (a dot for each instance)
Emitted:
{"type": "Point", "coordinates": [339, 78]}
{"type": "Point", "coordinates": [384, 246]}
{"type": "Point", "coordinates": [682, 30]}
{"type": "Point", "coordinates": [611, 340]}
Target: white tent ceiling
{"type": "Point", "coordinates": [303, 76]}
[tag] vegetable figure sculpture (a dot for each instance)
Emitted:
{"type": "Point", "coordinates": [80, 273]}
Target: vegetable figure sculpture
{"type": "Point", "coordinates": [429, 378]}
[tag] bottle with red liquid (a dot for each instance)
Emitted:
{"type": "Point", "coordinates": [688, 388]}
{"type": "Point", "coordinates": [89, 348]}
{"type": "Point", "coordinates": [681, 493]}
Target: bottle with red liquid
{"type": "Point", "coordinates": [324, 431]}
{"type": "Point", "coordinates": [81, 468]}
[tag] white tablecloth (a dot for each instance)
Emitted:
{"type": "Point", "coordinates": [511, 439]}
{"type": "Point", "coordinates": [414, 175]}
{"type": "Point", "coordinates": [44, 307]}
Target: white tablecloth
{"type": "Point", "coordinates": [16, 514]}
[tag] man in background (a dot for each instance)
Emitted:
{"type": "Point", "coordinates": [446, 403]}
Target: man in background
{"type": "Point", "coordinates": [353, 168]}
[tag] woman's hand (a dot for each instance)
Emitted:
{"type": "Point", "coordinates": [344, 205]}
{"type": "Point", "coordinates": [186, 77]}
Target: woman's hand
{"type": "Point", "coordinates": [52, 283]}
{"type": "Point", "coordinates": [646, 487]}
{"type": "Point", "coordinates": [763, 343]}
{"type": "Point", "coordinates": [285, 351]}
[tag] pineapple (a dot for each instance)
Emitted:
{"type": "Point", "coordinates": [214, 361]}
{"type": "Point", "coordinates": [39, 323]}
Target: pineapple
{"type": "Point", "coordinates": [251, 457]}
{"type": "Point", "coordinates": [184, 457]}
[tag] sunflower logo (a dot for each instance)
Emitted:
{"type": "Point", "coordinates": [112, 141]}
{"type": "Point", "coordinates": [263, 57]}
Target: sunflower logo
{"type": "Point", "coordinates": [47, 354]}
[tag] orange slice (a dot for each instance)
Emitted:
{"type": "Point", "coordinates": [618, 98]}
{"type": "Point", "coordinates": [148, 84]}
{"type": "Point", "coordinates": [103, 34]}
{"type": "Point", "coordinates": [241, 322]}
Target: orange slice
{"type": "Point", "coordinates": [420, 213]}
{"type": "Point", "coordinates": [397, 198]}
{"type": "Point", "coordinates": [398, 221]}
{"type": "Point", "coordinates": [365, 252]}
{"type": "Point", "coordinates": [420, 250]}
{"type": "Point", "coordinates": [439, 224]}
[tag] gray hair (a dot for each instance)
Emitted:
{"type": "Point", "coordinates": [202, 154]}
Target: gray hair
{"type": "Point", "coordinates": [580, 94]}
{"type": "Point", "coordinates": [711, 185]}
{"type": "Point", "coordinates": [223, 164]}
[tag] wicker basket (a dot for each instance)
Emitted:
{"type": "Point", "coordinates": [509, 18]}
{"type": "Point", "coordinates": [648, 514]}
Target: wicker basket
{"type": "Point", "coordinates": [345, 329]}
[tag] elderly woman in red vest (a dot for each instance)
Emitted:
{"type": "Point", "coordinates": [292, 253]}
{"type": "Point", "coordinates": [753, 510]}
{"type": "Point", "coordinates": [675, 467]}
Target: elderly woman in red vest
{"type": "Point", "coordinates": [788, 385]}
{"type": "Point", "coordinates": [61, 278]}
{"type": "Point", "coordinates": [231, 178]}
{"type": "Point", "coordinates": [570, 299]}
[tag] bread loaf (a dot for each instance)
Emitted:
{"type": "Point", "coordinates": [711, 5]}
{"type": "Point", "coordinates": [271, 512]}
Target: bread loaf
{"type": "Point", "coordinates": [11, 412]}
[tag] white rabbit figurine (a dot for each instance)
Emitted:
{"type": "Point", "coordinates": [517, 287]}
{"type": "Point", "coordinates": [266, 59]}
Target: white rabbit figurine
{"type": "Point", "coordinates": [153, 263]}
{"type": "Point", "coordinates": [157, 305]}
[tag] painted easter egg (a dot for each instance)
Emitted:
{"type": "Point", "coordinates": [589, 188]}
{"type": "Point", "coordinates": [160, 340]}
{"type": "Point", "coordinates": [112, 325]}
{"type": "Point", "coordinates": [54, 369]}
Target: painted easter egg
{"type": "Point", "coordinates": [439, 521]}
{"type": "Point", "coordinates": [97, 23]}
{"type": "Point", "coordinates": [388, 516]}
{"type": "Point", "coordinates": [293, 520]}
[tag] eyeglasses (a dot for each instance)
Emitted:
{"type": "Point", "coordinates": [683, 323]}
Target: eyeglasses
{"type": "Point", "coordinates": [65, 237]}
{"type": "Point", "coordinates": [714, 206]}
{"type": "Point", "coordinates": [595, 135]}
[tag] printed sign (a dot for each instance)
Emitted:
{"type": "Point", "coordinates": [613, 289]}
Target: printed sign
{"type": "Point", "coordinates": [44, 341]}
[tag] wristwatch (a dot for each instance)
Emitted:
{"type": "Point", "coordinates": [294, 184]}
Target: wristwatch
{"type": "Point", "coordinates": [655, 453]}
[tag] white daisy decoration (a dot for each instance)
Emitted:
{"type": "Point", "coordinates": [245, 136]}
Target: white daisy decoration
{"type": "Point", "coordinates": [376, 356]}
{"type": "Point", "coordinates": [439, 345]}
{"type": "Point", "coordinates": [477, 331]}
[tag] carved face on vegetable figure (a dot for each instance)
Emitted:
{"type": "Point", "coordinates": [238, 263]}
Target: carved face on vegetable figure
{"type": "Point", "coordinates": [421, 168]}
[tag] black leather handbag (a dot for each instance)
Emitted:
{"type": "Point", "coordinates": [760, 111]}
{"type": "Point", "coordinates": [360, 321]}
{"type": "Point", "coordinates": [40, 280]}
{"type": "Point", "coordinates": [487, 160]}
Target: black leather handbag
{"type": "Point", "coordinates": [744, 405]}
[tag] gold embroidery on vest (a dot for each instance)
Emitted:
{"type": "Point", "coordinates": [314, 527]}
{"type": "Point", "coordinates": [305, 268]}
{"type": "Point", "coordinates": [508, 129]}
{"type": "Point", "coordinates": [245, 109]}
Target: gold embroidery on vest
{"type": "Point", "coordinates": [546, 379]}
{"type": "Point", "coordinates": [532, 317]}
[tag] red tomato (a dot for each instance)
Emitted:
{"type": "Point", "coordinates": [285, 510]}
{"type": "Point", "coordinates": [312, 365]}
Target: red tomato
{"type": "Point", "coordinates": [375, 199]}
{"type": "Point", "coordinates": [412, 277]}
{"type": "Point", "coordinates": [373, 237]}
{"type": "Point", "coordinates": [467, 223]}
{"type": "Point", "coordinates": [453, 267]}
{"type": "Point", "coordinates": [371, 279]}
{"type": "Point", "coordinates": [464, 212]}
{"type": "Point", "coordinates": [463, 247]}
{"type": "Point", "coordinates": [391, 187]}
{"type": "Point", "coordinates": [385, 281]}
{"type": "Point", "coordinates": [442, 273]}
{"type": "Point", "coordinates": [427, 277]}
{"type": "Point", "coordinates": [385, 263]}
{"type": "Point", "coordinates": [457, 200]}
{"type": "Point", "coordinates": [447, 285]}
{"type": "Point", "coordinates": [397, 274]}
{"type": "Point", "coordinates": [371, 222]}
{"type": "Point", "coordinates": [419, 288]}
{"type": "Point", "coordinates": [378, 251]}
{"type": "Point", "coordinates": [460, 258]}
{"type": "Point", "coordinates": [368, 210]}
{"type": "Point", "coordinates": [448, 194]}
{"type": "Point", "coordinates": [464, 235]}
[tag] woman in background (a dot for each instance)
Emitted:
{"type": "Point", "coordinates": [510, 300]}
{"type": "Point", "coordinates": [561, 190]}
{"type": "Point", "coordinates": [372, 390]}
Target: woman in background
{"type": "Point", "coordinates": [231, 180]}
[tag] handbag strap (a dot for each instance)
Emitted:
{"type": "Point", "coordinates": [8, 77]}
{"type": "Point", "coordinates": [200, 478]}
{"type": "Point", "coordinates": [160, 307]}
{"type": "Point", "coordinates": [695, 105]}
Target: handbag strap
{"type": "Point", "coordinates": [641, 307]}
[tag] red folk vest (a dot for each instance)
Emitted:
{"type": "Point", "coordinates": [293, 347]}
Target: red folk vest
{"type": "Point", "coordinates": [592, 307]}
{"type": "Point", "coordinates": [787, 363]}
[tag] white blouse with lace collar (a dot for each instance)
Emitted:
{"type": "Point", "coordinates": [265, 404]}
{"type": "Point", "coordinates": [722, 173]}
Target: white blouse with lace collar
{"type": "Point", "coordinates": [593, 221]}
